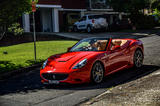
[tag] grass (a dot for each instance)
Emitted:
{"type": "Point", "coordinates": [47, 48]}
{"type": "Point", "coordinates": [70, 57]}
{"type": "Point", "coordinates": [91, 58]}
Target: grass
{"type": "Point", "coordinates": [22, 55]}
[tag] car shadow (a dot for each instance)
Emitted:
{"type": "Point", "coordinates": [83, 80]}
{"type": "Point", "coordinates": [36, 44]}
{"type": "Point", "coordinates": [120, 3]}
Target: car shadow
{"type": "Point", "coordinates": [113, 80]}
{"type": "Point", "coordinates": [30, 82]}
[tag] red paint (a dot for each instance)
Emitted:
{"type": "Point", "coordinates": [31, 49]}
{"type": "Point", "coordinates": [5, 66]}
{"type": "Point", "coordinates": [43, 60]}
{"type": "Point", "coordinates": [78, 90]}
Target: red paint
{"type": "Point", "coordinates": [113, 60]}
{"type": "Point", "coordinates": [33, 6]}
{"type": "Point", "coordinates": [93, 21]}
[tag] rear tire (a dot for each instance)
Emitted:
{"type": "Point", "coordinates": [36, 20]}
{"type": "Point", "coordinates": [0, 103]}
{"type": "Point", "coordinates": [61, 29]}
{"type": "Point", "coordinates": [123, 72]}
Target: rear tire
{"type": "Point", "coordinates": [97, 73]}
{"type": "Point", "coordinates": [138, 58]}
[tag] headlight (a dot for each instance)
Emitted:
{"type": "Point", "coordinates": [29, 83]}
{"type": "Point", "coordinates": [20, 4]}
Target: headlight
{"type": "Point", "coordinates": [80, 64]}
{"type": "Point", "coordinates": [44, 64]}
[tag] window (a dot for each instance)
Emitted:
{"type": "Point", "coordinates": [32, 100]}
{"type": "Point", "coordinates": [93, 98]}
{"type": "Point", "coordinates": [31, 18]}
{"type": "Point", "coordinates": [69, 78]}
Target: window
{"type": "Point", "coordinates": [98, 4]}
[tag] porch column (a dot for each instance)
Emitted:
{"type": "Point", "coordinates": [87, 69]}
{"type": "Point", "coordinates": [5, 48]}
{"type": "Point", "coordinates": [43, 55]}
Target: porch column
{"type": "Point", "coordinates": [120, 16]}
{"type": "Point", "coordinates": [55, 20]}
{"type": "Point", "coordinates": [82, 13]}
{"type": "Point", "coordinates": [111, 19]}
{"type": "Point", "coordinates": [26, 22]}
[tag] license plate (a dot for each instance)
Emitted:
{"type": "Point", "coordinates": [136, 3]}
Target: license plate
{"type": "Point", "coordinates": [53, 82]}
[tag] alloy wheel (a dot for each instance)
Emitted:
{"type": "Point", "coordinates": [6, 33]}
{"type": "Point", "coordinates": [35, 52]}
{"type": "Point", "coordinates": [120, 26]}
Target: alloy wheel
{"type": "Point", "coordinates": [97, 73]}
{"type": "Point", "coordinates": [138, 58]}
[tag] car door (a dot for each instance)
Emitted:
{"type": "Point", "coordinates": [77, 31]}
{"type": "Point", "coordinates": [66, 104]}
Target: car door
{"type": "Point", "coordinates": [117, 58]}
{"type": "Point", "coordinates": [82, 23]}
{"type": "Point", "coordinates": [114, 59]}
{"type": "Point", "coordinates": [125, 54]}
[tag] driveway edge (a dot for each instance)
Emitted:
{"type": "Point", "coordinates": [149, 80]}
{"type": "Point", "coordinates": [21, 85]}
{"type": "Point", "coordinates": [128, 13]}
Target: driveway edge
{"type": "Point", "coordinates": [10, 74]}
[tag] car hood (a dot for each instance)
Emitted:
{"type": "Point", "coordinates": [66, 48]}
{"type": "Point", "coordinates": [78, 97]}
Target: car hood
{"type": "Point", "coordinates": [64, 62]}
{"type": "Point", "coordinates": [68, 56]}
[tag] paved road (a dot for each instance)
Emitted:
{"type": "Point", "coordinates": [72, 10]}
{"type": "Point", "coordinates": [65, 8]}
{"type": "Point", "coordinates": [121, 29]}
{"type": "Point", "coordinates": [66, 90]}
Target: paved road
{"type": "Point", "coordinates": [26, 90]}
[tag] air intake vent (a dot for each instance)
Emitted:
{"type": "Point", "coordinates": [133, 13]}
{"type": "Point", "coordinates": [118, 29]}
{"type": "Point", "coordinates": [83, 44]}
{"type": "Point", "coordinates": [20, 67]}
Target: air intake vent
{"type": "Point", "coordinates": [50, 76]}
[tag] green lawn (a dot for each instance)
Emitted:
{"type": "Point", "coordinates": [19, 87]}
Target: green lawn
{"type": "Point", "coordinates": [22, 55]}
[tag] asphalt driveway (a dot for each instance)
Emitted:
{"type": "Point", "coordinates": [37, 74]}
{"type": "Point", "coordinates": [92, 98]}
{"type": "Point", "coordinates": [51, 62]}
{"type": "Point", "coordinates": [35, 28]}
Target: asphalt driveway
{"type": "Point", "coordinates": [26, 89]}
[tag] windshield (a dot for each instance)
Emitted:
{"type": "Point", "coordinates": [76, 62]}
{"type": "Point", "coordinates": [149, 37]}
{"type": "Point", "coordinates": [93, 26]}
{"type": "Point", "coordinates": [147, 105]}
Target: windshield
{"type": "Point", "coordinates": [91, 44]}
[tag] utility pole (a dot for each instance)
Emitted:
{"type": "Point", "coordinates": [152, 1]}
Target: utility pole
{"type": "Point", "coordinates": [34, 29]}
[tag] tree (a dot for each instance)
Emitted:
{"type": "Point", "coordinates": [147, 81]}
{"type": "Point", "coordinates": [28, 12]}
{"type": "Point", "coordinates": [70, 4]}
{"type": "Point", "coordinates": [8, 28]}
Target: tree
{"type": "Point", "coordinates": [155, 7]}
{"type": "Point", "coordinates": [129, 6]}
{"type": "Point", "coordinates": [11, 10]}
{"type": "Point", "coordinates": [155, 4]}
{"type": "Point", "coordinates": [135, 9]}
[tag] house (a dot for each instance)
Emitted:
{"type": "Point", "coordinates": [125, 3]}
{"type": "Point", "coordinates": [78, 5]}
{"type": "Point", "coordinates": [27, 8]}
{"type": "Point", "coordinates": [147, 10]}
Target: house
{"type": "Point", "coordinates": [57, 15]}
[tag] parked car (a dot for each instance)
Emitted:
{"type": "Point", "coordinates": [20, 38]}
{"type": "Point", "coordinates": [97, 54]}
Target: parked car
{"type": "Point", "coordinates": [91, 23]}
{"type": "Point", "coordinates": [91, 59]}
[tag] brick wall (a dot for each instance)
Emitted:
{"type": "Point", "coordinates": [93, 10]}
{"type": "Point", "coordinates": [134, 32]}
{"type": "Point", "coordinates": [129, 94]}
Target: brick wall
{"type": "Point", "coordinates": [50, 2]}
{"type": "Point", "coordinates": [74, 4]}
{"type": "Point", "coordinates": [67, 4]}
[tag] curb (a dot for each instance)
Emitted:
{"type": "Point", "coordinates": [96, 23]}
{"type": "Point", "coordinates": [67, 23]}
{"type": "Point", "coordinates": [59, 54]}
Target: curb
{"type": "Point", "coordinates": [10, 74]}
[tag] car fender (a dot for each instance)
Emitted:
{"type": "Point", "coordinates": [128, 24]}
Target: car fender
{"type": "Point", "coordinates": [133, 47]}
{"type": "Point", "coordinates": [95, 59]}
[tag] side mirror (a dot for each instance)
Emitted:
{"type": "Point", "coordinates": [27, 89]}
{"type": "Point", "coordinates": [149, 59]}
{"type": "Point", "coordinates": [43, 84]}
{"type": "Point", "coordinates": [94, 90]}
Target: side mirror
{"type": "Point", "coordinates": [69, 49]}
{"type": "Point", "coordinates": [117, 47]}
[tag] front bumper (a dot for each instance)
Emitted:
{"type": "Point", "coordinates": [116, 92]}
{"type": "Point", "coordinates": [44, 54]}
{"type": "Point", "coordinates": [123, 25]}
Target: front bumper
{"type": "Point", "coordinates": [76, 77]}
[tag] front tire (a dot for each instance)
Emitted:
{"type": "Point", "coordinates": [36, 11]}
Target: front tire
{"type": "Point", "coordinates": [97, 73]}
{"type": "Point", "coordinates": [138, 58]}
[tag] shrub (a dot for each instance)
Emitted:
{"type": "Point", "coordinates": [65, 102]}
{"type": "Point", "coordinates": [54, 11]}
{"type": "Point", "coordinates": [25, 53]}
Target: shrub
{"type": "Point", "coordinates": [142, 21]}
{"type": "Point", "coordinates": [15, 29]}
{"type": "Point", "coordinates": [156, 15]}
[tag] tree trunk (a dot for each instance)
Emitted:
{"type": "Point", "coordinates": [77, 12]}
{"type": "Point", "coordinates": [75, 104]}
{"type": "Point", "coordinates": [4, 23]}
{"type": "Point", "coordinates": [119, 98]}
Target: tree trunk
{"type": "Point", "coordinates": [3, 30]}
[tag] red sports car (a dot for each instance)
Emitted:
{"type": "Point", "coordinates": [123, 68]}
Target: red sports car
{"type": "Point", "coordinates": [91, 59]}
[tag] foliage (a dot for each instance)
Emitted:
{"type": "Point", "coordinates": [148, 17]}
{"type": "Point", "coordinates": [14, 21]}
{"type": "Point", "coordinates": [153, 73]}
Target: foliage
{"type": "Point", "coordinates": [11, 10]}
{"type": "Point", "coordinates": [156, 14]}
{"type": "Point", "coordinates": [22, 55]}
{"type": "Point", "coordinates": [6, 66]}
{"type": "Point", "coordinates": [129, 6]}
{"type": "Point", "coordinates": [155, 4]}
{"type": "Point", "coordinates": [15, 29]}
{"type": "Point", "coordinates": [143, 21]}
{"type": "Point", "coordinates": [134, 8]}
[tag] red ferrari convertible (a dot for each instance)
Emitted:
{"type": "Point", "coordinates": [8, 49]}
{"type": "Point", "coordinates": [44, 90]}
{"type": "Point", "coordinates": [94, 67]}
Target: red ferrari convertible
{"type": "Point", "coordinates": [91, 59]}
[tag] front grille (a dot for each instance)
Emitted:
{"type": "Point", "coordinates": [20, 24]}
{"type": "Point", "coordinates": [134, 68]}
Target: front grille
{"type": "Point", "coordinates": [51, 76]}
